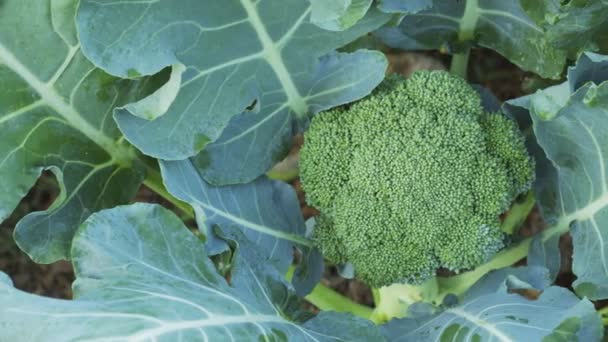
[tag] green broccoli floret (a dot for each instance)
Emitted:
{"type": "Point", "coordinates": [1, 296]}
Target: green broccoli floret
{"type": "Point", "coordinates": [504, 141]}
{"type": "Point", "coordinates": [412, 178]}
{"type": "Point", "coordinates": [333, 247]}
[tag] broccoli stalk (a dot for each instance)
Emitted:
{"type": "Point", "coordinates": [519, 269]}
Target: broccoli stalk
{"type": "Point", "coordinates": [394, 301]}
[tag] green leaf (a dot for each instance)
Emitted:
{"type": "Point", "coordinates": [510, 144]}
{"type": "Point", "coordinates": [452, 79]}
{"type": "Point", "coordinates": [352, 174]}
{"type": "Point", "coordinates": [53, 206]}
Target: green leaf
{"type": "Point", "coordinates": [574, 26]}
{"type": "Point", "coordinates": [546, 254]}
{"type": "Point", "coordinates": [527, 277]}
{"type": "Point", "coordinates": [503, 316]}
{"type": "Point", "coordinates": [338, 15]}
{"type": "Point", "coordinates": [251, 144]}
{"type": "Point", "coordinates": [575, 141]}
{"type": "Point", "coordinates": [404, 6]}
{"type": "Point", "coordinates": [499, 25]}
{"type": "Point", "coordinates": [570, 122]}
{"type": "Point", "coordinates": [56, 114]}
{"type": "Point", "coordinates": [142, 276]}
{"type": "Point", "coordinates": [266, 212]}
{"type": "Point", "coordinates": [159, 102]}
{"type": "Point", "coordinates": [591, 67]}
{"type": "Point", "coordinates": [236, 53]}
{"type": "Point", "coordinates": [5, 279]}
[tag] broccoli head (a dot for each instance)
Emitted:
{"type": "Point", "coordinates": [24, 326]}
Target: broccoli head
{"type": "Point", "coordinates": [412, 178]}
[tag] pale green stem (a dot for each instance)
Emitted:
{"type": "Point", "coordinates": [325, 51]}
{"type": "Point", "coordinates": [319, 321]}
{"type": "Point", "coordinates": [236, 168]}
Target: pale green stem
{"type": "Point", "coordinates": [285, 176]}
{"type": "Point", "coordinates": [460, 62]}
{"type": "Point", "coordinates": [466, 34]}
{"type": "Point", "coordinates": [328, 299]}
{"type": "Point", "coordinates": [518, 214]}
{"type": "Point", "coordinates": [604, 313]}
{"type": "Point", "coordinates": [154, 181]}
{"type": "Point", "coordinates": [376, 295]}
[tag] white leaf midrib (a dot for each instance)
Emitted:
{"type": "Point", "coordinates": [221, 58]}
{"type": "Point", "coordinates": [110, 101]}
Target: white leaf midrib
{"type": "Point", "coordinates": [487, 326]}
{"type": "Point", "coordinates": [50, 97]}
{"type": "Point", "coordinates": [163, 328]}
{"type": "Point", "coordinates": [473, 13]}
{"type": "Point", "coordinates": [221, 321]}
{"type": "Point", "coordinates": [587, 212]}
{"type": "Point", "coordinates": [252, 225]}
{"type": "Point", "coordinates": [272, 54]}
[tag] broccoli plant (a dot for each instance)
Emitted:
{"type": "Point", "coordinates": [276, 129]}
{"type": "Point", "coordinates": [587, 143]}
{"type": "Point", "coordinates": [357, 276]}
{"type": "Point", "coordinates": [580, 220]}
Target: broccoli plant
{"type": "Point", "coordinates": [421, 186]}
{"type": "Point", "coordinates": [413, 178]}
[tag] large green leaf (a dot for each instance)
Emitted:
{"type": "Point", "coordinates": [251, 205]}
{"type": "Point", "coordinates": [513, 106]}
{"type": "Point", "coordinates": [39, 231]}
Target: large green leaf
{"type": "Point", "coordinates": [264, 54]}
{"type": "Point", "coordinates": [499, 25]}
{"type": "Point", "coordinates": [338, 15]}
{"type": "Point", "coordinates": [56, 114]}
{"type": "Point", "coordinates": [251, 145]}
{"type": "Point", "coordinates": [495, 313]}
{"type": "Point", "coordinates": [142, 276]}
{"type": "Point", "coordinates": [570, 123]}
{"type": "Point", "coordinates": [264, 211]}
{"type": "Point", "coordinates": [514, 278]}
{"type": "Point", "coordinates": [404, 6]}
{"type": "Point", "coordinates": [574, 26]}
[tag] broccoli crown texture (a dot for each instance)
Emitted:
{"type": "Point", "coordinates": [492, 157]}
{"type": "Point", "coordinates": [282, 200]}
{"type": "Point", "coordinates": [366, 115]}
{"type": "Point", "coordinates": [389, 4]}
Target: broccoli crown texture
{"type": "Point", "coordinates": [412, 178]}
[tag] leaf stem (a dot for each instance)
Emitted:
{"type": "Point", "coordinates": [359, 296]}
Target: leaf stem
{"type": "Point", "coordinates": [466, 34]}
{"type": "Point", "coordinates": [604, 314]}
{"type": "Point", "coordinates": [460, 62]}
{"type": "Point", "coordinates": [376, 295]}
{"type": "Point", "coordinates": [154, 181]}
{"type": "Point", "coordinates": [285, 176]}
{"type": "Point", "coordinates": [518, 214]}
{"type": "Point", "coordinates": [326, 298]}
